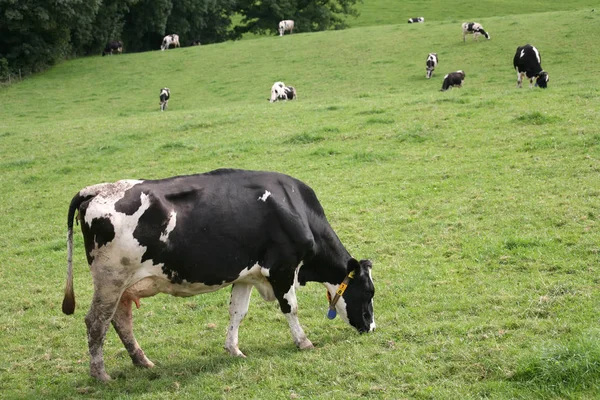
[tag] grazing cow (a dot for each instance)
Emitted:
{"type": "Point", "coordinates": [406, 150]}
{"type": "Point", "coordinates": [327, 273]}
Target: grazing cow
{"type": "Point", "coordinates": [170, 40]}
{"type": "Point", "coordinates": [286, 25]}
{"type": "Point", "coordinates": [112, 47]}
{"type": "Point", "coordinates": [528, 62]}
{"type": "Point", "coordinates": [453, 79]}
{"type": "Point", "coordinates": [430, 64]}
{"type": "Point", "coordinates": [195, 234]}
{"type": "Point", "coordinates": [416, 20]}
{"type": "Point", "coordinates": [279, 91]}
{"type": "Point", "coordinates": [476, 29]}
{"type": "Point", "coordinates": [165, 95]}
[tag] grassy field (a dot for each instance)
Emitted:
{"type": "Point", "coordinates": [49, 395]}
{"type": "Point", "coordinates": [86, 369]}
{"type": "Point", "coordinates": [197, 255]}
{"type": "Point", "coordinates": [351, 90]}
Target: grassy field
{"type": "Point", "coordinates": [479, 207]}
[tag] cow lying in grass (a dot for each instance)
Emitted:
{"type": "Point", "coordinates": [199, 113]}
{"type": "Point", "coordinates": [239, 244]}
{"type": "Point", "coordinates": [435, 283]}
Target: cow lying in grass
{"type": "Point", "coordinates": [281, 92]}
{"type": "Point", "coordinates": [453, 79]}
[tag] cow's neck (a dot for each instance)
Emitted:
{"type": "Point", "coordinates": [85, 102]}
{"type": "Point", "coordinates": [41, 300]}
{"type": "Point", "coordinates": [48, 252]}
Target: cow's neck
{"type": "Point", "coordinates": [328, 265]}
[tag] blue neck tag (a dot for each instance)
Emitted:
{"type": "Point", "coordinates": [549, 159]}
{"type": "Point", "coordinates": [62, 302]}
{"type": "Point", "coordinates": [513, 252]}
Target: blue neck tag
{"type": "Point", "coordinates": [331, 314]}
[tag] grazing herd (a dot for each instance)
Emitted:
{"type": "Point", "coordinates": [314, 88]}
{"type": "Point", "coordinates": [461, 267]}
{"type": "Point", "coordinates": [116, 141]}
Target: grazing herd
{"type": "Point", "coordinates": [527, 61]}
{"type": "Point", "coordinates": [188, 235]}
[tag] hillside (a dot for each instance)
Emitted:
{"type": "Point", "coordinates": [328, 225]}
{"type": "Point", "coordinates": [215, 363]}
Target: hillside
{"type": "Point", "coordinates": [478, 206]}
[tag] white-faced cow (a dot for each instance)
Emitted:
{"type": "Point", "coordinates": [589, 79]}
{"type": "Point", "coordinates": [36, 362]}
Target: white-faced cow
{"type": "Point", "coordinates": [165, 95]}
{"type": "Point", "coordinates": [430, 64]}
{"type": "Point", "coordinates": [474, 28]}
{"type": "Point", "coordinates": [112, 47]}
{"type": "Point", "coordinates": [279, 91]}
{"type": "Point", "coordinates": [286, 25]}
{"type": "Point", "coordinates": [170, 40]}
{"type": "Point", "coordinates": [416, 20]}
{"type": "Point", "coordinates": [528, 62]}
{"type": "Point", "coordinates": [453, 79]}
{"type": "Point", "coordinates": [195, 234]}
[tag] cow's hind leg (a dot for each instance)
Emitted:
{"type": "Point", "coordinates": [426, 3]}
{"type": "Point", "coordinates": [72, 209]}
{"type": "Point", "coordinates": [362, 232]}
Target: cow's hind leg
{"type": "Point", "coordinates": [123, 324]}
{"type": "Point", "coordinates": [283, 281]}
{"type": "Point", "coordinates": [238, 308]}
{"type": "Point", "coordinates": [97, 320]}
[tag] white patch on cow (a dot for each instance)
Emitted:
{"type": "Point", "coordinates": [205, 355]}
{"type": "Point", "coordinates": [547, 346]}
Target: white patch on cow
{"type": "Point", "coordinates": [522, 53]}
{"type": "Point", "coordinates": [265, 196]}
{"type": "Point", "coordinates": [170, 226]}
{"type": "Point", "coordinates": [537, 54]}
{"type": "Point", "coordinates": [340, 306]}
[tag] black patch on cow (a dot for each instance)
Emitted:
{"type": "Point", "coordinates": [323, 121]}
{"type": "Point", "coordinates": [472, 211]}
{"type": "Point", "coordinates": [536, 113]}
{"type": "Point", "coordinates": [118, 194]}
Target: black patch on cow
{"type": "Point", "coordinates": [470, 26]}
{"type": "Point", "coordinates": [99, 233]}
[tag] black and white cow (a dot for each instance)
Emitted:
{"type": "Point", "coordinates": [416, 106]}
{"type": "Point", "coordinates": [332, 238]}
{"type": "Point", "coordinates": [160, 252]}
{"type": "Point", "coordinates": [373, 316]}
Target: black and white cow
{"type": "Point", "coordinates": [165, 95]}
{"type": "Point", "coordinates": [453, 79]}
{"type": "Point", "coordinates": [279, 91]}
{"type": "Point", "coordinates": [195, 234]}
{"type": "Point", "coordinates": [528, 62]}
{"type": "Point", "coordinates": [416, 20]}
{"type": "Point", "coordinates": [430, 64]}
{"type": "Point", "coordinates": [195, 43]}
{"type": "Point", "coordinates": [286, 25]}
{"type": "Point", "coordinates": [170, 40]}
{"type": "Point", "coordinates": [112, 47]}
{"type": "Point", "coordinates": [476, 29]}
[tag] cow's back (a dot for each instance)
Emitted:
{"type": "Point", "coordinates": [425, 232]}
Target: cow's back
{"type": "Point", "coordinates": [202, 228]}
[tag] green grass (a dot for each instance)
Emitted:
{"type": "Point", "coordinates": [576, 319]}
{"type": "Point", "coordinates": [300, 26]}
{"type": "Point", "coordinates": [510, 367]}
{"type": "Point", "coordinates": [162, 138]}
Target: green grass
{"type": "Point", "coordinates": [479, 207]}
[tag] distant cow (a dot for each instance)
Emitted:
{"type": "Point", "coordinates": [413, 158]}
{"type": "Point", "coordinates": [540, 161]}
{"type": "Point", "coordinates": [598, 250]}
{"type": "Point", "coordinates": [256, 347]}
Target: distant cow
{"type": "Point", "coordinates": [170, 40]}
{"type": "Point", "coordinates": [196, 234]}
{"type": "Point", "coordinates": [112, 47]}
{"type": "Point", "coordinates": [416, 20]}
{"type": "Point", "coordinates": [453, 79]}
{"type": "Point", "coordinates": [286, 25]}
{"type": "Point", "coordinates": [165, 95]}
{"type": "Point", "coordinates": [474, 28]}
{"type": "Point", "coordinates": [279, 91]}
{"type": "Point", "coordinates": [430, 64]}
{"type": "Point", "coordinates": [528, 62]}
{"type": "Point", "coordinates": [195, 43]}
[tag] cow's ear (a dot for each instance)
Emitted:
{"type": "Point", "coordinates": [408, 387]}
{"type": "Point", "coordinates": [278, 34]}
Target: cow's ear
{"type": "Point", "coordinates": [366, 264]}
{"type": "Point", "coordinates": [353, 265]}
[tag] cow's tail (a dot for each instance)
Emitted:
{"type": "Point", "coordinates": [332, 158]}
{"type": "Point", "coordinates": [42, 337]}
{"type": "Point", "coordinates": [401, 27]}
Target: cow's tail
{"type": "Point", "coordinates": [68, 304]}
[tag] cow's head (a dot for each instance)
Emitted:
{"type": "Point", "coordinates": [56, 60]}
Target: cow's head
{"type": "Point", "coordinates": [277, 91]}
{"type": "Point", "coordinates": [356, 304]}
{"type": "Point", "coordinates": [542, 80]}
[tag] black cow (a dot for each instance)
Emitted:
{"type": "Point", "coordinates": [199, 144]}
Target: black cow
{"type": "Point", "coordinates": [195, 43]}
{"type": "Point", "coordinates": [416, 20]}
{"type": "Point", "coordinates": [476, 29]}
{"type": "Point", "coordinates": [195, 234]}
{"type": "Point", "coordinates": [528, 62]}
{"type": "Point", "coordinates": [165, 95]}
{"type": "Point", "coordinates": [112, 47]}
{"type": "Point", "coordinates": [453, 79]}
{"type": "Point", "coordinates": [430, 64]}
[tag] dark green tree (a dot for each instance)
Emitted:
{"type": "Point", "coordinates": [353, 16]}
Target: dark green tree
{"type": "Point", "coordinates": [263, 16]}
{"type": "Point", "coordinates": [35, 34]}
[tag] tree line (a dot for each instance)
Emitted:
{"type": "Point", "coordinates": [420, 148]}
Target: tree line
{"type": "Point", "coordinates": [35, 34]}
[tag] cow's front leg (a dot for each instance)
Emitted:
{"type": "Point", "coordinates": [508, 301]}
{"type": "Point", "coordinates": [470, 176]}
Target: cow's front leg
{"type": "Point", "coordinates": [238, 308]}
{"type": "Point", "coordinates": [285, 292]}
{"type": "Point", "coordinates": [123, 324]}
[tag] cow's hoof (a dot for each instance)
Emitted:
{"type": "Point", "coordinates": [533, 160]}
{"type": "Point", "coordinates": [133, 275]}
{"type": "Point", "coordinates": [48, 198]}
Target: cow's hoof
{"type": "Point", "coordinates": [102, 376]}
{"type": "Point", "coordinates": [235, 352]}
{"type": "Point", "coordinates": [306, 345]}
{"type": "Point", "coordinates": [140, 360]}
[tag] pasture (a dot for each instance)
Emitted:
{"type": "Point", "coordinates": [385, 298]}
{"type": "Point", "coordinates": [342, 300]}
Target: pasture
{"type": "Point", "coordinates": [479, 207]}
